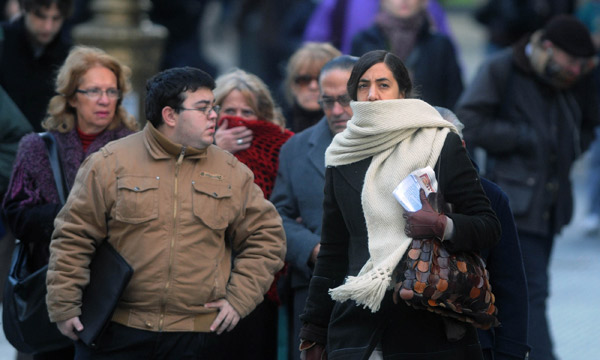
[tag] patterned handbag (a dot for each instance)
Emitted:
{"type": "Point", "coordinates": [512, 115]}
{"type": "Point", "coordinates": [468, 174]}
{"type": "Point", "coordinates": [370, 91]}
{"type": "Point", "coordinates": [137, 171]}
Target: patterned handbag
{"type": "Point", "coordinates": [450, 284]}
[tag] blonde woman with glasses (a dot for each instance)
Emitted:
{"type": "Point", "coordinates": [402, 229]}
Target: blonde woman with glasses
{"type": "Point", "coordinates": [84, 116]}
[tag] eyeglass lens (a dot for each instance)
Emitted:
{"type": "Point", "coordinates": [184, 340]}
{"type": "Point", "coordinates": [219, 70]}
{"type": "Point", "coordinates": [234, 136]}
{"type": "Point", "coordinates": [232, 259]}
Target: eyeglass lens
{"type": "Point", "coordinates": [329, 102]}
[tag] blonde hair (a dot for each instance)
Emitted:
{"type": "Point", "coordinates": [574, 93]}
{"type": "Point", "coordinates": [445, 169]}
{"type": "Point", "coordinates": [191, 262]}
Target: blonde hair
{"type": "Point", "coordinates": [311, 55]}
{"type": "Point", "coordinates": [61, 115]}
{"type": "Point", "coordinates": [254, 90]}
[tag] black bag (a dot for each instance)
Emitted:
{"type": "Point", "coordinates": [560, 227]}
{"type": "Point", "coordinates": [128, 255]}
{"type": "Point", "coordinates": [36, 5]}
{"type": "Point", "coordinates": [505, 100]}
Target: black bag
{"type": "Point", "coordinates": [109, 275]}
{"type": "Point", "coordinates": [24, 315]}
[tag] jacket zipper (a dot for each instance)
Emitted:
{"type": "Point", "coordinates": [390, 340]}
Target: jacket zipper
{"type": "Point", "coordinates": [175, 195]}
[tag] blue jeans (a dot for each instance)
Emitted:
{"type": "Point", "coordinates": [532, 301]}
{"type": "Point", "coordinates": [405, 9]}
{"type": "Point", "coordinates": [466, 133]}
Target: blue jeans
{"type": "Point", "coordinates": [123, 343]}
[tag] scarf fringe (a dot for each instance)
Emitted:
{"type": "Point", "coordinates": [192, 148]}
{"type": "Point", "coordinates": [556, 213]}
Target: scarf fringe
{"type": "Point", "coordinates": [365, 289]}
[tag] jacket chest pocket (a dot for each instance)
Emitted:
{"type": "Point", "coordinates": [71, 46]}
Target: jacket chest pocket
{"type": "Point", "coordinates": [211, 202]}
{"type": "Point", "coordinates": [137, 199]}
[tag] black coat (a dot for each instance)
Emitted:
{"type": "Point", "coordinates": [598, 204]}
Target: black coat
{"type": "Point", "coordinates": [29, 80]}
{"type": "Point", "coordinates": [532, 134]}
{"type": "Point", "coordinates": [405, 333]}
{"type": "Point", "coordinates": [509, 285]}
{"type": "Point", "coordinates": [432, 63]}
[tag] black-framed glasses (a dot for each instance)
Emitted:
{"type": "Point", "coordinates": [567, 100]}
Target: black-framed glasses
{"type": "Point", "coordinates": [304, 80]}
{"type": "Point", "coordinates": [205, 109]}
{"type": "Point", "coordinates": [96, 93]}
{"type": "Point", "coordinates": [328, 102]}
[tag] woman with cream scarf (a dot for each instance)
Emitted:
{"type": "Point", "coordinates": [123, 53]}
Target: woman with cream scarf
{"type": "Point", "coordinates": [349, 311]}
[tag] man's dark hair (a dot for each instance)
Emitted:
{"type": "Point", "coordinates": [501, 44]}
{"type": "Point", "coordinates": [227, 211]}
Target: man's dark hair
{"type": "Point", "coordinates": [375, 57]}
{"type": "Point", "coordinates": [167, 88]}
{"type": "Point", "coordinates": [64, 6]}
{"type": "Point", "coordinates": [343, 62]}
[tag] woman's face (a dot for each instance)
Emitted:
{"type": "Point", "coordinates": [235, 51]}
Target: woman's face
{"type": "Point", "coordinates": [403, 9]}
{"type": "Point", "coordinates": [305, 88]}
{"type": "Point", "coordinates": [378, 83]}
{"type": "Point", "coordinates": [235, 104]}
{"type": "Point", "coordinates": [96, 99]}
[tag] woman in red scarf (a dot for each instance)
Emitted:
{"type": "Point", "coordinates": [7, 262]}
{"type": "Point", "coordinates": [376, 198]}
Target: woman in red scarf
{"type": "Point", "coordinates": [251, 127]}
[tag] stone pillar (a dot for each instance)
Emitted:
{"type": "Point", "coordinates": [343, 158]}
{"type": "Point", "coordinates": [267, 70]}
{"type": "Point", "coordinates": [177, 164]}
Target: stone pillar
{"type": "Point", "coordinates": [122, 29]}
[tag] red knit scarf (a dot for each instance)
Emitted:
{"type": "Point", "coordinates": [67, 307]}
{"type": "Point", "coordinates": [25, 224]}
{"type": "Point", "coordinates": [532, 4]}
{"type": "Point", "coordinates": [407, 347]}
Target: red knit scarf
{"type": "Point", "coordinates": [262, 157]}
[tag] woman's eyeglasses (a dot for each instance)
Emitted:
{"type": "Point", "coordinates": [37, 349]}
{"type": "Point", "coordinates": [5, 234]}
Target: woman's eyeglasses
{"type": "Point", "coordinates": [96, 93]}
{"type": "Point", "coordinates": [329, 102]}
{"type": "Point", "coordinates": [304, 80]}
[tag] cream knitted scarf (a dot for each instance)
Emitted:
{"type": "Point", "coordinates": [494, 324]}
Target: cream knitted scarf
{"type": "Point", "coordinates": [401, 136]}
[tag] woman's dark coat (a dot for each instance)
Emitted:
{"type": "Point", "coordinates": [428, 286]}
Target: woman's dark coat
{"type": "Point", "coordinates": [404, 333]}
{"type": "Point", "coordinates": [31, 202]}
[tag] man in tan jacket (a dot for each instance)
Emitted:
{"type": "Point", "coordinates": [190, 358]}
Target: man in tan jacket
{"type": "Point", "coordinates": [175, 207]}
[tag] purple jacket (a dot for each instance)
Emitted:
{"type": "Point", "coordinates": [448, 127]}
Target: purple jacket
{"type": "Point", "coordinates": [359, 15]}
{"type": "Point", "coordinates": [31, 202]}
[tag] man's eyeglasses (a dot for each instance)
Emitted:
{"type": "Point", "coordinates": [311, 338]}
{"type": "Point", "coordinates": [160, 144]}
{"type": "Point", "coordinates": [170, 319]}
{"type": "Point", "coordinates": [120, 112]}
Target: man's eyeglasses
{"type": "Point", "coordinates": [205, 109]}
{"type": "Point", "coordinates": [304, 80]}
{"type": "Point", "coordinates": [329, 102]}
{"type": "Point", "coordinates": [96, 93]}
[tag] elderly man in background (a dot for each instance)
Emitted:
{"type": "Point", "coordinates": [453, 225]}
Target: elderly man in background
{"type": "Point", "coordinates": [533, 109]}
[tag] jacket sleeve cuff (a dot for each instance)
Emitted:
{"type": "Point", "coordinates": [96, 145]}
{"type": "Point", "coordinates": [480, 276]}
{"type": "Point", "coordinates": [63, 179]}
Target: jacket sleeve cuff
{"type": "Point", "coordinates": [64, 315]}
{"type": "Point", "coordinates": [314, 333]}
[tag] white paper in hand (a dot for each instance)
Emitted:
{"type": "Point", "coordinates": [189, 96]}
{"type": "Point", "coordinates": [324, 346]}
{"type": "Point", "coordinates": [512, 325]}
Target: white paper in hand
{"type": "Point", "coordinates": [407, 192]}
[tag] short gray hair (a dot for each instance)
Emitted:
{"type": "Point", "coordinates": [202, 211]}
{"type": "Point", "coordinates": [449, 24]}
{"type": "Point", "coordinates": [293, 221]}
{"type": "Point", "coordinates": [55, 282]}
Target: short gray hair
{"type": "Point", "coordinates": [449, 116]}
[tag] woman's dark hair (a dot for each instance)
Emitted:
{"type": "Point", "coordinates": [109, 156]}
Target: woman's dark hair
{"type": "Point", "coordinates": [375, 57]}
{"type": "Point", "coordinates": [168, 88]}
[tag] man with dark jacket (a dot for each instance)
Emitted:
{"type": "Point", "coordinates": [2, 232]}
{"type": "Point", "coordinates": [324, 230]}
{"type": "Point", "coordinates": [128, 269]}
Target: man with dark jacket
{"type": "Point", "coordinates": [532, 108]}
{"type": "Point", "coordinates": [31, 54]}
{"type": "Point", "coordinates": [175, 207]}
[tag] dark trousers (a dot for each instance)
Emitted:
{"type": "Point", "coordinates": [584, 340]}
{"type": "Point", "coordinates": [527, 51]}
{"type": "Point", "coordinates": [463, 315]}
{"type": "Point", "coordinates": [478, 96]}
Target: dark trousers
{"type": "Point", "coordinates": [123, 343]}
{"type": "Point", "coordinates": [536, 258]}
{"type": "Point", "coordinates": [62, 354]}
{"type": "Point", "coordinates": [254, 337]}
{"type": "Point", "coordinates": [299, 299]}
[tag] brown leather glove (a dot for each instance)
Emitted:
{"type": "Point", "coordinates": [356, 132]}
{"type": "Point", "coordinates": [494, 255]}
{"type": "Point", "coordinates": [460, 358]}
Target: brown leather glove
{"type": "Point", "coordinates": [310, 350]}
{"type": "Point", "coordinates": [425, 223]}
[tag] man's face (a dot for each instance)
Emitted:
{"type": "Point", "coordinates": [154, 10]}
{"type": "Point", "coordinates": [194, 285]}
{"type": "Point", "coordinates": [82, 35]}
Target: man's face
{"type": "Point", "coordinates": [566, 68]}
{"type": "Point", "coordinates": [196, 126]}
{"type": "Point", "coordinates": [43, 24]}
{"type": "Point", "coordinates": [335, 100]}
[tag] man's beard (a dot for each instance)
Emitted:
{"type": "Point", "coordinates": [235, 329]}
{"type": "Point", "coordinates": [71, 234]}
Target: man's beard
{"type": "Point", "coordinates": [558, 76]}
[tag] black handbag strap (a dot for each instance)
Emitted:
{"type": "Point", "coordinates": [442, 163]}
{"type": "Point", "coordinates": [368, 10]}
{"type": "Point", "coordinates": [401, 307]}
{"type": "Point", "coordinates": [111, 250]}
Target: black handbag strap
{"type": "Point", "coordinates": [55, 164]}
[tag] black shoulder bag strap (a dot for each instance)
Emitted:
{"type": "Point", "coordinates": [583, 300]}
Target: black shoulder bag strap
{"type": "Point", "coordinates": [57, 170]}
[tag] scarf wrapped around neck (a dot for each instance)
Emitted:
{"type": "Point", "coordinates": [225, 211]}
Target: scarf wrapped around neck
{"type": "Point", "coordinates": [401, 136]}
{"type": "Point", "coordinates": [263, 156]}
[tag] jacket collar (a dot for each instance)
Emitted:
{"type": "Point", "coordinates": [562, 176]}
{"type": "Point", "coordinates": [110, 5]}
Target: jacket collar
{"type": "Point", "coordinates": [319, 140]}
{"type": "Point", "coordinates": [160, 147]}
